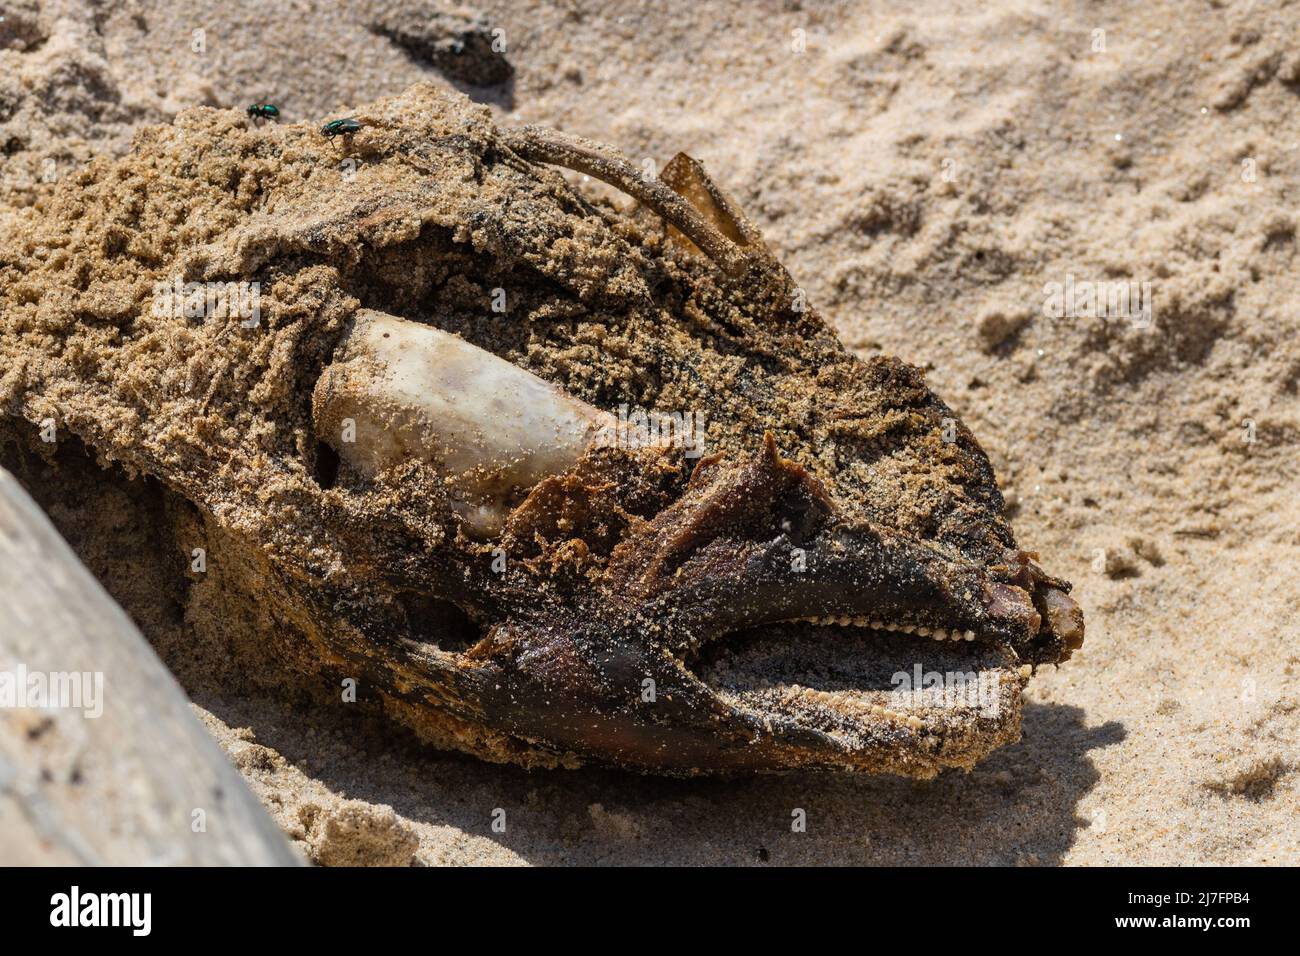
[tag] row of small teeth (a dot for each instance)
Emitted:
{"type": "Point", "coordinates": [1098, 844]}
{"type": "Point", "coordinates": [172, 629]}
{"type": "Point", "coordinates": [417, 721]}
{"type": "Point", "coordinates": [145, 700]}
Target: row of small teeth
{"type": "Point", "coordinates": [920, 630]}
{"type": "Point", "coordinates": [911, 720]}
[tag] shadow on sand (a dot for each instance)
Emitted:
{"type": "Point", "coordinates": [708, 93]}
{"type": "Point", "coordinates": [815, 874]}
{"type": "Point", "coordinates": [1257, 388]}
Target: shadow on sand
{"type": "Point", "coordinates": [1018, 807]}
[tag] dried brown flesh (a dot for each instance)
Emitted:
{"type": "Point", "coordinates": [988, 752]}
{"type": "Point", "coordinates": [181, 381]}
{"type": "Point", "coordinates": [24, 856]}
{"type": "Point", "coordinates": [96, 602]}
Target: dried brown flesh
{"type": "Point", "coordinates": [633, 566]}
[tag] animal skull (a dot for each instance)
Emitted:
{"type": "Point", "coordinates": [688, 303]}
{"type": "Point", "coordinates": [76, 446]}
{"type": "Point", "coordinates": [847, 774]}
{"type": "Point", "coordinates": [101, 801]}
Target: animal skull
{"type": "Point", "coordinates": [382, 462]}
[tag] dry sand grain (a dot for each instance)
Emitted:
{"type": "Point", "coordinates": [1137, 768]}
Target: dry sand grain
{"type": "Point", "coordinates": [1172, 156]}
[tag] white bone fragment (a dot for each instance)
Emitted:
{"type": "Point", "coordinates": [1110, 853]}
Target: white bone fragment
{"type": "Point", "coordinates": [415, 391]}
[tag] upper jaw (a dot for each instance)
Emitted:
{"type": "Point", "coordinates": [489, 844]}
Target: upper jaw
{"type": "Point", "coordinates": [761, 544]}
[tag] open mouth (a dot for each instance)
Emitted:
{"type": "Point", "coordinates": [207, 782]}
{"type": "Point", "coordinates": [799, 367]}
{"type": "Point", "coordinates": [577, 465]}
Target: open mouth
{"type": "Point", "coordinates": [871, 688]}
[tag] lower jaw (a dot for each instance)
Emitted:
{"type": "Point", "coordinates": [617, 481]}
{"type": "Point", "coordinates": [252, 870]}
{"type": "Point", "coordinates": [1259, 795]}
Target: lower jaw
{"type": "Point", "coordinates": [885, 701]}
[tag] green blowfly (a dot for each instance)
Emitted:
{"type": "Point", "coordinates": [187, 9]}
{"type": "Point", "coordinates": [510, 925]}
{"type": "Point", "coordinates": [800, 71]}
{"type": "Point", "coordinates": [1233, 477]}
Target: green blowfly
{"type": "Point", "coordinates": [340, 127]}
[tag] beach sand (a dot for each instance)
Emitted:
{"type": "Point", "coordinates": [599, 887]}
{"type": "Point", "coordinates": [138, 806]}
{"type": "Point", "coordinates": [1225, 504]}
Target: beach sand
{"type": "Point", "coordinates": [927, 177]}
